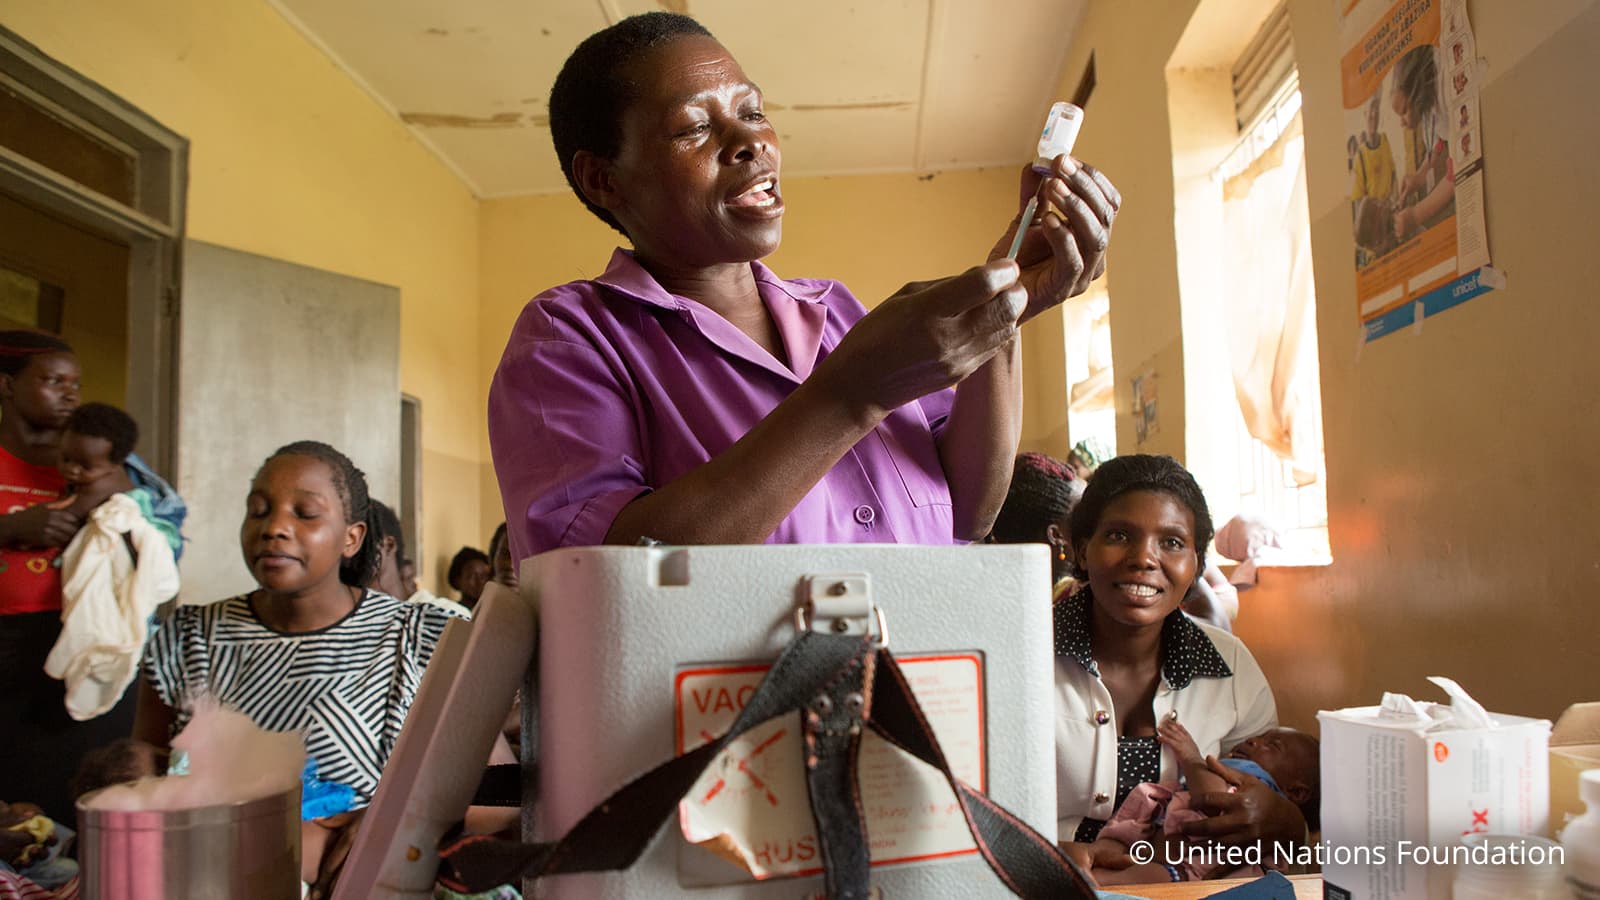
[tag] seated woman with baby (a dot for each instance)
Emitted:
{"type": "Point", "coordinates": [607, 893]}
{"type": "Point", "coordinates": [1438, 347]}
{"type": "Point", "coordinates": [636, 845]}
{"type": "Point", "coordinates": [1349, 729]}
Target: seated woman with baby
{"type": "Point", "coordinates": [1142, 690]}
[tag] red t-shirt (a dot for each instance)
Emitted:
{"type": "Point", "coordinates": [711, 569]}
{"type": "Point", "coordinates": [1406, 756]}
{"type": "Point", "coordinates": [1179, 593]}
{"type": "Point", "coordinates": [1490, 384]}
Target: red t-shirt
{"type": "Point", "coordinates": [29, 579]}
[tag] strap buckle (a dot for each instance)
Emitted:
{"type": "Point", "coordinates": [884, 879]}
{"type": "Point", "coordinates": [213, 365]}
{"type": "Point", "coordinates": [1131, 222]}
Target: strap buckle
{"type": "Point", "coordinates": [841, 604]}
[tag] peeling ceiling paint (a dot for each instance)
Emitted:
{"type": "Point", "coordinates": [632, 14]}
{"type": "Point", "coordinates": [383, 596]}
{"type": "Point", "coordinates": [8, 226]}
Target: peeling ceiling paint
{"type": "Point", "coordinates": [887, 104]}
{"type": "Point", "coordinates": [882, 86]}
{"type": "Point", "coordinates": [450, 120]}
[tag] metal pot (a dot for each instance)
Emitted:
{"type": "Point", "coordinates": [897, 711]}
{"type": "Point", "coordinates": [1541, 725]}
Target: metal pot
{"type": "Point", "coordinates": [238, 851]}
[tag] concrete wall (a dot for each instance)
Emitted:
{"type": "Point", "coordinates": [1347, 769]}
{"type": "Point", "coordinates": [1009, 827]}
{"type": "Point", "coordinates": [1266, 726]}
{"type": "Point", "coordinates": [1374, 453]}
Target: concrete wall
{"type": "Point", "coordinates": [270, 353]}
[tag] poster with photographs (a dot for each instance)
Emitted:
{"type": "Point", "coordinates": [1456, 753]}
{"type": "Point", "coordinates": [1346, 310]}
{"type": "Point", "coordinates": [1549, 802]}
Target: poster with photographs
{"type": "Point", "coordinates": [1413, 142]}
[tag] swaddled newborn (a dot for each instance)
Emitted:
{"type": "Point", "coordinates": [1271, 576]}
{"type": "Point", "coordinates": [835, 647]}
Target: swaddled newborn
{"type": "Point", "coordinates": [1289, 761]}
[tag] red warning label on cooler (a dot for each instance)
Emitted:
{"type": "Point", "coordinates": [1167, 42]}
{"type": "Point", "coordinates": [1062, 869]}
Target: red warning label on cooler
{"type": "Point", "coordinates": [750, 806]}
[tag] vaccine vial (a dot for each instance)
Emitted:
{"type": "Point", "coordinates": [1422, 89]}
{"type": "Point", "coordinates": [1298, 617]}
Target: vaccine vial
{"type": "Point", "coordinates": [1060, 133]}
{"type": "Point", "coordinates": [1581, 839]}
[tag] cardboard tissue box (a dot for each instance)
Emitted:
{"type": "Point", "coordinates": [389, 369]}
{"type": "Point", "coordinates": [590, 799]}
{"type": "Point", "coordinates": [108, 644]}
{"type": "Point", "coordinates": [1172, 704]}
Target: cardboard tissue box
{"type": "Point", "coordinates": [1574, 748]}
{"type": "Point", "coordinates": [1403, 781]}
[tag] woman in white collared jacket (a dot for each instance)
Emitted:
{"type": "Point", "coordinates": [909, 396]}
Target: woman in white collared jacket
{"type": "Point", "coordinates": [1126, 658]}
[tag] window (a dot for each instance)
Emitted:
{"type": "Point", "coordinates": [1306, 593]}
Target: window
{"type": "Point", "coordinates": [1091, 407]}
{"type": "Point", "coordinates": [1270, 309]}
{"type": "Point", "coordinates": [1252, 398]}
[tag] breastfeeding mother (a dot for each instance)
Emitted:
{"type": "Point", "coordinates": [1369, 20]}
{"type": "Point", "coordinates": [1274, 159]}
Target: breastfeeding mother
{"type": "Point", "coordinates": [690, 395]}
{"type": "Point", "coordinates": [1128, 658]}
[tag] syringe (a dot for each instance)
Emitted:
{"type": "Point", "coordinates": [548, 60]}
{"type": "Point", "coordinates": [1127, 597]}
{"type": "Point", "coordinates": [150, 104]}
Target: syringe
{"type": "Point", "coordinates": [1060, 133]}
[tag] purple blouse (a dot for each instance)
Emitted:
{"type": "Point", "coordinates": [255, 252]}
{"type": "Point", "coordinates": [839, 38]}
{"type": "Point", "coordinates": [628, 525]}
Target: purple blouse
{"type": "Point", "coordinates": [612, 387]}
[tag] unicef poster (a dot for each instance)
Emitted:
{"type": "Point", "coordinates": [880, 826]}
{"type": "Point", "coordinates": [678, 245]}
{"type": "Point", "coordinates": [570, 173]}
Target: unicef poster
{"type": "Point", "coordinates": [1413, 143]}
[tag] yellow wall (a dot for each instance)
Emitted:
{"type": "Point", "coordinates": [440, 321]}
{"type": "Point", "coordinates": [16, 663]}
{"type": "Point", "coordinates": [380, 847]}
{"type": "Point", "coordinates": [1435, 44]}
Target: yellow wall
{"type": "Point", "coordinates": [1461, 457]}
{"type": "Point", "coordinates": [872, 232]}
{"type": "Point", "coordinates": [526, 244]}
{"type": "Point", "coordinates": [290, 159]}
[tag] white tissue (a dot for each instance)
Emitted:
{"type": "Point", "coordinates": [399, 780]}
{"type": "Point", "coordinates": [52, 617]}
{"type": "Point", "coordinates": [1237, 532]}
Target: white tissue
{"type": "Point", "coordinates": [1463, 712]}
{"type": "Point", "coordinates": [1401, 706]}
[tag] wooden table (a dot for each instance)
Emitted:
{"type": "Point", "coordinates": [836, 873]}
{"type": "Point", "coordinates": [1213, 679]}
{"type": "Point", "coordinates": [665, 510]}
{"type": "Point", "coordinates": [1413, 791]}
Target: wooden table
{"type": "Point", "coordinates": [1306, 887]}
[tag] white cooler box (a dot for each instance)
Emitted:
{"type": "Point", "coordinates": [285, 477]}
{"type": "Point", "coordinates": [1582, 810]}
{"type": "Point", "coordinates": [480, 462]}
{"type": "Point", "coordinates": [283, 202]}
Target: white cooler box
{"type": "Point", "coordinates": [649, 652]}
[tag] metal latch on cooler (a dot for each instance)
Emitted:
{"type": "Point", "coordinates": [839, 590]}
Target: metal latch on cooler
{"type": "Point", "coordinates": [840, 604]}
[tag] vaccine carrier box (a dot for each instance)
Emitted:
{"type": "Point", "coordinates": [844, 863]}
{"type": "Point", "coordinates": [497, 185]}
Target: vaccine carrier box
{"type": "Point", "coordinates": [1404, 781]}
{"type": "Point", "coordinates": [645, 653]}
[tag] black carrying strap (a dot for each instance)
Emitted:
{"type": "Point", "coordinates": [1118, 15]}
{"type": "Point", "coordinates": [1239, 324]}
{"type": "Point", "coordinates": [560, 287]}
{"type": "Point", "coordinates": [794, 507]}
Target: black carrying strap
{"type": "Point", "coordinates": [501, 786]}
{"type": "Point", "coordinates": [832, 727]}
{"type": "Point", "coordinates": [842, 682]}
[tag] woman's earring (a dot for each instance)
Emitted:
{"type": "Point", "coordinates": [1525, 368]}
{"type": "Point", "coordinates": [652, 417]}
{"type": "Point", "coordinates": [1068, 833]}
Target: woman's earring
{"type": "Point", "coordinates": [1061, 554]}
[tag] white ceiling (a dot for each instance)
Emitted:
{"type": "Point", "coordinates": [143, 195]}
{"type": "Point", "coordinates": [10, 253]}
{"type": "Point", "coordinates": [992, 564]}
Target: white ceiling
{"type": "Point", "coordinates": [854, 86]}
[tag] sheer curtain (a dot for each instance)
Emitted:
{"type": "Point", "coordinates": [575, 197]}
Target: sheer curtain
{"type": "Point", "coordinates": [1270, 303]}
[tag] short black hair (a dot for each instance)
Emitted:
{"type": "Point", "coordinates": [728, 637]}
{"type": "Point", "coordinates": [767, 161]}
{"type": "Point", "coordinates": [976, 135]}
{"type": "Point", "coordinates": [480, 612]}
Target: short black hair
{"type": "Point", "coordinates": [459, 563]}
{"type": "Point", "coordinates": [594, 88]}
{"type": "Point", "coordinates": [351, 483]}
{"type": "Point", "coordinates": [102, 420]}
{"type": "Point", "coordinates": [1140, 472]}
{"type": "Point", "coordinates": [388, 523]}
{"type": "Point", "coordinates": [19, 346]}
{"type": "Point", "coordinates": [1042, 492]}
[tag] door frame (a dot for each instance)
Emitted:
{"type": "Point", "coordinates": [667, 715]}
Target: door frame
{"type": "Point", "coordinates": [152, 227]}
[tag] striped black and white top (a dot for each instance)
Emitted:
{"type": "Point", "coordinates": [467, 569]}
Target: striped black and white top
{"type": "Point", "coordinates": [346, 688]}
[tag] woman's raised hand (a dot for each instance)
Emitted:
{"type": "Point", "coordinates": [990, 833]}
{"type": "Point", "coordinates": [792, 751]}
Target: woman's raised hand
{"type": "Point", "coordinates": [1065, 247]}
{"type": "Point", "coordinates": [926, 337]}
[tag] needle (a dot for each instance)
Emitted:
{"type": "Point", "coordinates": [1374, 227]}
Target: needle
{"type": "Point", "coordinates": [1022, 227]}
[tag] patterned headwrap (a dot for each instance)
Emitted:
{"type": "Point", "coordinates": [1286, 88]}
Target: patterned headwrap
{"type": "Point", "coordinates": [1043, 490]}
{"type": "Point", "coordinates": [1092, 451]}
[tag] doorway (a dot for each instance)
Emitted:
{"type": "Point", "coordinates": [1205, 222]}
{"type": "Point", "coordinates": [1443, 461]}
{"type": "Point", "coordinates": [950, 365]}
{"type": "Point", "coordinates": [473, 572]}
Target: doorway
{"type": "Point", "coordinates": [60, 278]}
{"type": "Point", "coordinates": [92, 195]}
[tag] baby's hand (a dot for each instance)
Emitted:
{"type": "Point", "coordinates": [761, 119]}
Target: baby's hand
{"type": "Point", "coordinates": [1171, 733]}
{"type": "Point", "coordinates": [1103, 853]}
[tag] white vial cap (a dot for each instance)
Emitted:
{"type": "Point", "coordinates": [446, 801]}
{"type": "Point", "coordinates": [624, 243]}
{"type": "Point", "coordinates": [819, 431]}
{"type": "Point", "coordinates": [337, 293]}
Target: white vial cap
{"type": "Point", "coordinates": [1589, 788]}
{"type": "Point", "coordinates": [1060, 133]}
